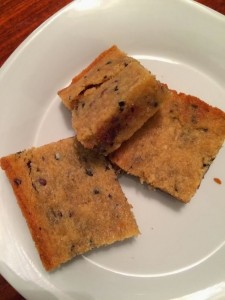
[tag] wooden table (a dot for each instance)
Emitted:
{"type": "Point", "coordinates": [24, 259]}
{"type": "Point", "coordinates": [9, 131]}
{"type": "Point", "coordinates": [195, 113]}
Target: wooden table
{"type": "Point", "coordinates": [18, 18]}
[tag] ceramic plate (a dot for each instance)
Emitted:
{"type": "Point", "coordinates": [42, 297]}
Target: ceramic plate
{"type": "Point", "coordinates": [181, 251]}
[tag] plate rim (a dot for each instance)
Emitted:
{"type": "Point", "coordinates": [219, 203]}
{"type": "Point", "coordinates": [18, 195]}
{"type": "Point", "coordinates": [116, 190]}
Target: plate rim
{"type": "Point", "coordinates": [16, 53]}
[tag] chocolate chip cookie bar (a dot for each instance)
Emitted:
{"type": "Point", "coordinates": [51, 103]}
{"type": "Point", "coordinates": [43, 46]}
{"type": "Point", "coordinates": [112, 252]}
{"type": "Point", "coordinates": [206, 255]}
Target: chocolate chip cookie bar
{"type": "Point", "coordinates": [111, 99]}
{"type": "Point", "coordinates": [70, 198]}
{"type": "Point", "coordinates": [175, 148]}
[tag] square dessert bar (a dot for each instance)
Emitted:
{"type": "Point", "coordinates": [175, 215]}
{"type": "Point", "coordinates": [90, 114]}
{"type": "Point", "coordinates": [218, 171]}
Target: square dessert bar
{"type": "Point", "coordinates": [70, 198]}
{"type": "Point", "coordinates": [111, 99]}
{"type": "Point", "coordinates": [175, 148]}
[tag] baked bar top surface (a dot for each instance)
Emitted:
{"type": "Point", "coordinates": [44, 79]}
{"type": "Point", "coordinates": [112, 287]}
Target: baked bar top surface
{"type": "Point", "coordinates": [174, 149]}
{"type": "Point", "coordinates": [105, 66]}
{"type": "Point", "coordinates": [70, 198]}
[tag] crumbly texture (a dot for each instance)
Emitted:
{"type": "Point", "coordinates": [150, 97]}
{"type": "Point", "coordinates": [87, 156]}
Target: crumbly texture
{"type": "Point", "coordinates": [111, 99]}
{"type": "Point", "coordinates": [70, 198]}
{"type": "Point", "coordinates": [175, 148]}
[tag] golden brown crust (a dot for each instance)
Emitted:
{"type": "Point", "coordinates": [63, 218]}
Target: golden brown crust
{"type": "Point", "coordinates": [175, 148]}
{"type": "Point", "coordinates": [70, 199]}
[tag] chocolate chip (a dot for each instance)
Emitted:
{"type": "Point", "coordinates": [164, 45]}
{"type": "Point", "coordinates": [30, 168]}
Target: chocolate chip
{"type": "Point", "coordinates": [96, 191]}
{"type": "Point", "coordinates": [176, 188]}
{"type": "Point", "coordinates": [153, 103]}
{"type": "Point", "coordinates": [108, 62]}
{"type": "Point", "coordinates": [89, 172]}
{"type": "Point", "coordinates": [121, 105]}
{"type": "Point", "coordinates": [71, 213]}
{"type": "Point", "coordinates": [29, 165]}
{"type": "Point", "coordinates": [17, 181]}
{"type": "Point", "coordinates": [59, 214]}
{"type": "Point", "coordinates": [19, 152]}
{"type": "Point", "coordinates": [42, 181]}
{"type": "Point", "coordinates": [110, 196]}
{"type": "Point", "coordinates": [194, 106]}
{"type": "Point", "coordinates": [125, 64]}
{"type": "Point", "coordinates": [205, 129]}
{"type": "Point", "coordinates": [205, 165]}
{"type": "Point", "coordinates": [116, 88]}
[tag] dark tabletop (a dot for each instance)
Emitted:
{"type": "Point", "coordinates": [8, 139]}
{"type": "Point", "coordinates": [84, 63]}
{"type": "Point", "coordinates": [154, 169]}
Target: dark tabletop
{"type": "Point", "coordinates": [18, 18]}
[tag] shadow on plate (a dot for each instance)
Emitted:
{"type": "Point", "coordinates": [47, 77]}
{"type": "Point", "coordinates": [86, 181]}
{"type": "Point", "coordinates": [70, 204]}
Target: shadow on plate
{"type": "Point", "coordinates": [129, 181]}
{"type": "Point", "coordinates": [67, 116]}
{"type": "Point", "coordinates": [115, 245]}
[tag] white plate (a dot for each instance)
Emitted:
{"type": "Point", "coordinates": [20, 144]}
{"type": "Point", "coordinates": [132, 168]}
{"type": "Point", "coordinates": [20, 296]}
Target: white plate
{"type": "Point", "coordinates": [181, 250]}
